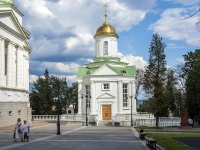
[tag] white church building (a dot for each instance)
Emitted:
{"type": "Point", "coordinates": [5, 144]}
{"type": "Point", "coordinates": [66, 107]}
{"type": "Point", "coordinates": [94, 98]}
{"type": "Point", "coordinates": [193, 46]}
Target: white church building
{"type": "Point", "coordinates": [14, 65]}
{"type": "Point", "coordinates": [104, 85]}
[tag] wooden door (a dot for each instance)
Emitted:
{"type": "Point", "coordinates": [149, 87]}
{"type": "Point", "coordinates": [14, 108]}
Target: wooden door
{"type": "Point", "coordinates": [106, 112]}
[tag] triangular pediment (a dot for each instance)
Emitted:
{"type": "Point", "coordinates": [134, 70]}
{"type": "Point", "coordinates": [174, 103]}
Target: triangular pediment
{"type": "Point", "coordinates": [106, 96]}
{"type": "Point", "coordinates": [105, 70]}
{"type": "Point", "coordinates": [9, 22]}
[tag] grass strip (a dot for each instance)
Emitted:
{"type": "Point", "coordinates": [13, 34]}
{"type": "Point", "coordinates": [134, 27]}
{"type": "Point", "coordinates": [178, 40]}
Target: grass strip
{"type": "Point", "coordinates": [166, 141]}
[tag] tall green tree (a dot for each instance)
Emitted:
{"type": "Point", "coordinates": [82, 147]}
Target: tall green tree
{"type": "Point", "coordinates": [191, 70]}
{"type": "Point", "coordinates": [171, 92]}
{"type": "Point", "coordinates": [154, 77]}
{"type": "Point", "coordinates": [181, 78]}
{"type": "Point", "coordinates": [72, 94]}
{"type": "Point", "coordinates": [47, 90]}
{"type": "Point", "coordinates": [41, 97]}
{"type": "Point", "coordinates": [59, 94]}
{"type": "Point", "coordinates": [139, 82]}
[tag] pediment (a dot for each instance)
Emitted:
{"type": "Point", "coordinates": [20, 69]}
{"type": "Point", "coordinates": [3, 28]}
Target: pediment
{"type": "Point", "coordinates": [105, 70]}
{"type": "Point", "coordinates": [106, 96]}
{"type": "Point", "coordinates": [9, 20]}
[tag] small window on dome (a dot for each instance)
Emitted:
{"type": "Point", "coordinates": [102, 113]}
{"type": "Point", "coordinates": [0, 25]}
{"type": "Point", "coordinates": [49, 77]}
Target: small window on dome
{"type": "Point", "coordinates": [105, 48]}
{"type": "Point", "coordinates": [123, 71]}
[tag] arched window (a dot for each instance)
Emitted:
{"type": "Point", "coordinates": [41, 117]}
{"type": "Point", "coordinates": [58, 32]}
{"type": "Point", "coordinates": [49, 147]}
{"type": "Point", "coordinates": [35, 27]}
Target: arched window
{"type": "Point", "coordinates": [105, 48]}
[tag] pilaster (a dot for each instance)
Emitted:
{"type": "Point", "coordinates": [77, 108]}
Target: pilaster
{"type": "Point", "coordinates": [133, 93]}
{"type": "Point", "coordinates": [11, 65]}
{"type": "Point", "coordinates": [79, 97]}
{"type": "Point", "coordinates": [120, 99]}
{"type": "Point", "coordinates": [2, 61]}
{"type": "Point", "coordinates": [92, 91]}
{"type": "Point", "coordinates": [19, 67]}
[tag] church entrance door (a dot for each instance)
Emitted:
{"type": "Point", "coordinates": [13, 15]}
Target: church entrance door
{"type": "Point", "coordinates": [106, 112]}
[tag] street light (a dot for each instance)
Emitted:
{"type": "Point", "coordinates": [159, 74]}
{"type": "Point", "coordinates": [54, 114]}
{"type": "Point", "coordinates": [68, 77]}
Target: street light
{"type": "Point", "coordinates": [87, 96]}
{"type": "Point", "coordinates": [131, 96]}
{"type": "Point", "coordinates": [58, 103]}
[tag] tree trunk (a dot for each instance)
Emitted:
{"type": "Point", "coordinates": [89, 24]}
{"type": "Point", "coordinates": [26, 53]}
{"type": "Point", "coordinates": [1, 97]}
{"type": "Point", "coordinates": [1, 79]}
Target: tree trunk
{"type": "Point", "coordinates": [157, 119]}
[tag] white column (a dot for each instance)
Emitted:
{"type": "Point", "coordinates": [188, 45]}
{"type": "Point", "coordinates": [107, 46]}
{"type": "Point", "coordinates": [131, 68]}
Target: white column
{"type": "Point", "coordinates": [130, 94]}
{"type": "Point", "coordinates": [2, 61]}
{"type": "Point", "coordinates": [92, 100]}
{"type": "Point", "coordinates": [24, 70]}
{"type": "Point", "coordinates": [133, 93]}
{"type": "Point", "coordinates": [84, 99]}
{"type": "Point", "coordinates": [14, 66]}
{"type": "Point", "coordinates": [120, 98]}
{"type": "Point", "coordinates": [28, 72]}
{"type": "Point", "coordinates": [10, 64]}
{"type": "Point", "coordinates": [79, 98]}
{"type": "Point", "coordinates": [20, 67]}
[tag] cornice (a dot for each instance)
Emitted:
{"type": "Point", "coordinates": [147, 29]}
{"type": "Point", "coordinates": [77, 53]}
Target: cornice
{"type": "Point", "coordinates": [15, 89]}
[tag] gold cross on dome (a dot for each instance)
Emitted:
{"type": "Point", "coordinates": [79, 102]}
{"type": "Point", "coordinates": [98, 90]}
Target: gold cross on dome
{"type": "Point", "coordinates": [105, 6]}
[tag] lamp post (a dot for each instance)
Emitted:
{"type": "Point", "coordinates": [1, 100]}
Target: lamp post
{"type": "Point", "coordinates": [86, 105]}
{"type": "Point", "coordinates": [58, 103]}
{"type": "Point", "coordinates": [131, 96]}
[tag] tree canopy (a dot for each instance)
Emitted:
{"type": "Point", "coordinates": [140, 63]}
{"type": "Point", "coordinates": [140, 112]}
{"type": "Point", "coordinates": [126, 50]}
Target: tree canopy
{"type": "Point", "coordinates": [47, 90]}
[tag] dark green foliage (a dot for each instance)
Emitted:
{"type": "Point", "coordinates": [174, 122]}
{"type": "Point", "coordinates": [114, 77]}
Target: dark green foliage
{"type": "Point", "coordinates": [45, 94]}
{"type": "Point", "coordinates": [171, 92]}
{"type": "Point", "coordinates": [154, 78]}
{"type": "Point", "coordinates": [59, 91]}
{"type": "Point", "coordinates": [41, 97]}
{"type": "Point", "coordinates": [145, 107]}
{"type": "Point", "coordinates": [72, 94]}
{"type": "Point", "coordinates": [192, 71]}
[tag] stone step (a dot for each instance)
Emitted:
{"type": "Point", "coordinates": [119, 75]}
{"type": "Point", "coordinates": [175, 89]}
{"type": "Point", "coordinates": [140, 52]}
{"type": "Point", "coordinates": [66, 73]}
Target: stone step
{"type": "Point", "coordinates": [105, 123]}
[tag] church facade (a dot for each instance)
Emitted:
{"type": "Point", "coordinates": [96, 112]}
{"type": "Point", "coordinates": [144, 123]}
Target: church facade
{"type": "Point", "coordinates": [14, 65]}
{"type": "Point", "coordinates": [106, 84]}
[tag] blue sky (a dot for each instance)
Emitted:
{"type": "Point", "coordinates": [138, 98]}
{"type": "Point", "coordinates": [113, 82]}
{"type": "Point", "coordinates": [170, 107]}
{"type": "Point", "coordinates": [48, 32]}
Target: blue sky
{"type": "Point", "coordinates": [62, 31]}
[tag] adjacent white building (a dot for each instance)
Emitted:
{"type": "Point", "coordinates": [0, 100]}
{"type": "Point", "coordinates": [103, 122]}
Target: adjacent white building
{"type": "Point", "coordinates": [107, 80]}
{"type": "Point", "coordinates": [14, 65]}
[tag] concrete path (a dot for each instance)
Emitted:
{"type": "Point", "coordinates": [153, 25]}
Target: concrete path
{"type": "Point", "coordinates": [75, 138]}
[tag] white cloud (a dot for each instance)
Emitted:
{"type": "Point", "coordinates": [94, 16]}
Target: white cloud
{"type": "Point", "coordinates": [69, 79]}
{"type": "Point", "coordinates": [37, 8]}
{"type": "Point", "coordinates": [172, 25]}
{"type": "Point", "coordinates": [83, 43]}
{"type": "Point", "coordinates": [56, 67]}
{"type": "Point", "coordinates": [138, 61]}
{"type": "Point", "coordinates": [63, 30]}
{"type": "Point", "coordinates": [32, 78]}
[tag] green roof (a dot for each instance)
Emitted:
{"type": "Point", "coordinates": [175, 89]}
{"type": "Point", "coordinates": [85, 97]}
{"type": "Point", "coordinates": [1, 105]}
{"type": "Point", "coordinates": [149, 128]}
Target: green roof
{"type": "Point", "coordinates": [128, 71]}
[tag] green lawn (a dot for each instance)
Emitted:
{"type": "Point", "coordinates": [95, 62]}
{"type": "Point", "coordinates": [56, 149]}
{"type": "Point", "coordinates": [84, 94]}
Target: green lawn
{"type": "Point", "coordinates": [166, 141]}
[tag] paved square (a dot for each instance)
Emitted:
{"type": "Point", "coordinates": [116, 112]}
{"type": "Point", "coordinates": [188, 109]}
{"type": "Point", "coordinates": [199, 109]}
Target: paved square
{"type": "Point", "coordinates": [74, 138]}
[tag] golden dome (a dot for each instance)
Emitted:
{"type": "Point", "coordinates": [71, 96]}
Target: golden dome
{"type": "Point", "coordinates": [106, 29]}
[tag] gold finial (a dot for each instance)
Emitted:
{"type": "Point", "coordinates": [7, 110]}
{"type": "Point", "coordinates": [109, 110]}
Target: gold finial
{"type": "Point", "coordinates": [105, 6]}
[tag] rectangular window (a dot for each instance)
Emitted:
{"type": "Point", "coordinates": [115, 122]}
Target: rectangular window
{"type": "Point", "coordinates": [125, 95]}
{"type": "Point", "coordinates": [88, 95]}
{"type": "Point", "coordinates": [105, 86]}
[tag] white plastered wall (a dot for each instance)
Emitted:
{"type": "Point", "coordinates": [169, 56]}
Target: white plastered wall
{"type": "Point", "coordinates": [112, 46]}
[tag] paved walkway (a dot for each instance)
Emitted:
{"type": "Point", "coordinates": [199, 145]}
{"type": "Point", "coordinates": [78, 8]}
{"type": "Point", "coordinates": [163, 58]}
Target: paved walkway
{"type": "Point", "coordinates": [75, 138]}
